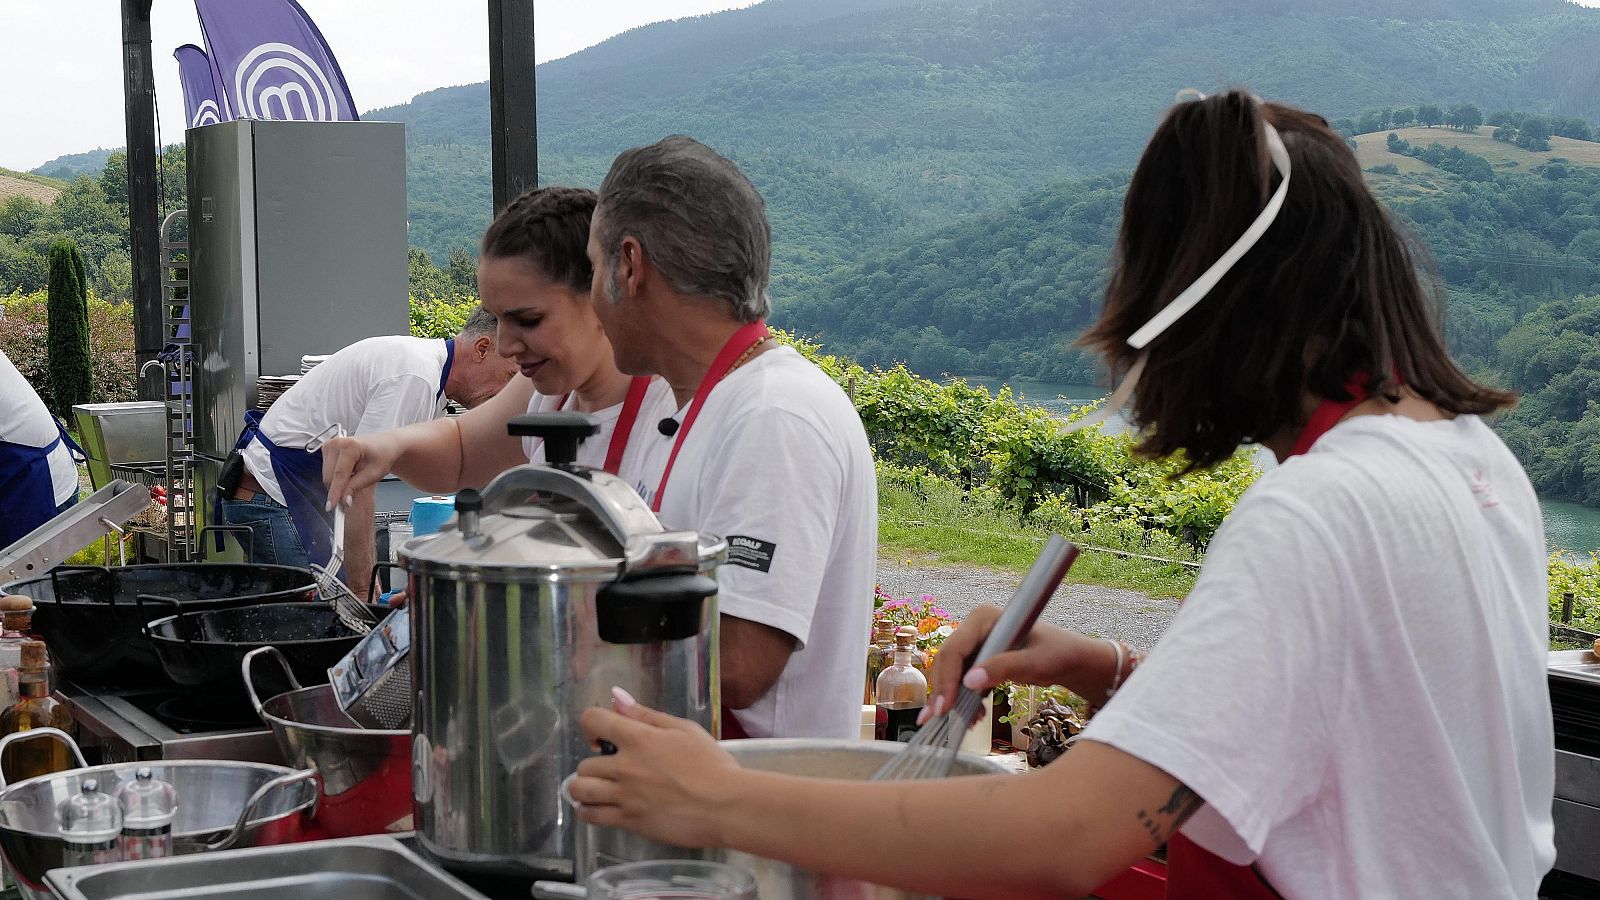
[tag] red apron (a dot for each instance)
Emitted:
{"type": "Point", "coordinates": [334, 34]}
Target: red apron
{"type": "Point", "coordinates": [637, 388]}
{"type": "Point", "coordinates": [738, 344]}
{"type": "Point", "coordinates": [1194, 873]}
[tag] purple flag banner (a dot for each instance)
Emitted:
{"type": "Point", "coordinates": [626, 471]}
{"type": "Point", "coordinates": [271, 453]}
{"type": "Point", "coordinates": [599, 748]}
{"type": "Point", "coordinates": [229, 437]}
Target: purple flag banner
{"type": "Point", "coordinates": [201, 98]}
{"type": "Point", "coordinates": [273, 63]}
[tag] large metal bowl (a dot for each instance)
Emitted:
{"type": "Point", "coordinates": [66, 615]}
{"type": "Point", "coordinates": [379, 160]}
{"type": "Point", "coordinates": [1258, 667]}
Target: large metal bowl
{"type": "Point", "coordinates": [365, 773]}
{"type": "Point", "coordinates": [221, 804]}
{"type": "Point", "coordinates": [812, 758]}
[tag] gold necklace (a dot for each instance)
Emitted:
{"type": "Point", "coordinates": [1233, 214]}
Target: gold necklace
{"type": "Point", "coordinates": [745, 356]}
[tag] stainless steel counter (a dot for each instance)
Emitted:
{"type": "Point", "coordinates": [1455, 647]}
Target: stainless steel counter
{"type": "Point", "coordinates": [121, 727]}
{"type": "Point", "coordinates": [374, 868]}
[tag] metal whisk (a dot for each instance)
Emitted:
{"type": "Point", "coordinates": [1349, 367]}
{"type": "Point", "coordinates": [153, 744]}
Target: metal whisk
{"type": "Point", "coordinates": [932, 753]}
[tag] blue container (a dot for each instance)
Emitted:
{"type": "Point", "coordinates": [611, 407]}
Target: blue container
{"type": "Point", "coordinates": [429, 513]}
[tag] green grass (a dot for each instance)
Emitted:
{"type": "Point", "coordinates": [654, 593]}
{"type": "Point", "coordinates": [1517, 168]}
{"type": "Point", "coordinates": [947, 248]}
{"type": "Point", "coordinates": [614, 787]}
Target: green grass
{"type": "Point", "coordinates": [36, 186]}
{"type": "Point", "coordinates": [1373, 149]}
{"type": "Point", "coordinates": [935, 525]}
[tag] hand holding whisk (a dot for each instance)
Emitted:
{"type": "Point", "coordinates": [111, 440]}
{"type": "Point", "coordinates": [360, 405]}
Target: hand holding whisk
{"type": "Point", "coordinates": [932, 753]}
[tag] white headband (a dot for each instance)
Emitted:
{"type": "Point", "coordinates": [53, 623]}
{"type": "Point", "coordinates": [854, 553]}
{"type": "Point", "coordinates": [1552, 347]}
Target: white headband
{"type": "Point", "coordinates": [1197, 291]}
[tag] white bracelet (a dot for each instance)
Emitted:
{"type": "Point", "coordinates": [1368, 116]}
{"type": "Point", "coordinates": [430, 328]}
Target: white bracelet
{"type": "Point", "coordinates": [1122, 661]}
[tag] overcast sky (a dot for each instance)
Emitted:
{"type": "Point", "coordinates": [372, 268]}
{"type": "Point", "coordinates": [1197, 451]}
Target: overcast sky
{"type": "Point", "coordinates": [61, 72]}
{"type": "Point", "coordinates": [61, 75]}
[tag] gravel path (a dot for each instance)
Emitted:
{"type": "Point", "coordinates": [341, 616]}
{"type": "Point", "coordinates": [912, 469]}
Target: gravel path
{"type": "Point", "coordinates": [1100, 611]}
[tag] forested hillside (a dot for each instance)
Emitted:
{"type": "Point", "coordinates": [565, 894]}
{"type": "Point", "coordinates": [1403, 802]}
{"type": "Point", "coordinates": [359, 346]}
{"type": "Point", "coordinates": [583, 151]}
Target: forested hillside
{"type": "Point", "coordinates": [944, 176]}
{"type": "Point", "coordinates": [937, 110]}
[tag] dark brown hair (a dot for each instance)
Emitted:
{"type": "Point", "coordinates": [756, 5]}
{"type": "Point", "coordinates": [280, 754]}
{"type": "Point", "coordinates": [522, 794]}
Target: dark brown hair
{"type": "Point", "coordinates": [1332, 291]}
{"type": "Point", "coordinates": [549, 227]}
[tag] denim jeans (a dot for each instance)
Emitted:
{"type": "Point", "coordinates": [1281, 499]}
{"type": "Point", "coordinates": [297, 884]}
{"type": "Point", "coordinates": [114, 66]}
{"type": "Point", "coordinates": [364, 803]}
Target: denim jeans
{"type": "Point", "coordinates": [275, 541]}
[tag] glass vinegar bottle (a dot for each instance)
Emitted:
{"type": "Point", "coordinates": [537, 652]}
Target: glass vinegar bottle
{"type": "Point", "coordinates": [902, 691]}
{"type": "Point", "coordinates": [35, 708]}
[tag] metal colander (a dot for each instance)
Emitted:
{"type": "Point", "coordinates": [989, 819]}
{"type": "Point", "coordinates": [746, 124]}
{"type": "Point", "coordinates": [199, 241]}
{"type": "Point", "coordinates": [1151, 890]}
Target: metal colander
{"type": "Point", "coordinates": [372, 683]}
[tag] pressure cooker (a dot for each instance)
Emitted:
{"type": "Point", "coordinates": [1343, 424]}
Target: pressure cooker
{"type": "Point", "coordinates": [553, 585]}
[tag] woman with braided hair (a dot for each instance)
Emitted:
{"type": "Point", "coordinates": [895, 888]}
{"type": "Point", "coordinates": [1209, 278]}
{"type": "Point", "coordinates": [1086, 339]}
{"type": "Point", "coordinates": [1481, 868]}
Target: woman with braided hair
{"type": "Point", "coordinates": [534, 275]}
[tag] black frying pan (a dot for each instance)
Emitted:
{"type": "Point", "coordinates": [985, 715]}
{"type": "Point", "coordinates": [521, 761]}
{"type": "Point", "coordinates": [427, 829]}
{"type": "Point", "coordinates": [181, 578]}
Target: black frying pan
{"type": "Point", "coordinates": [205, 650]}
{"type": "Point", "coordinates": [93, 617]}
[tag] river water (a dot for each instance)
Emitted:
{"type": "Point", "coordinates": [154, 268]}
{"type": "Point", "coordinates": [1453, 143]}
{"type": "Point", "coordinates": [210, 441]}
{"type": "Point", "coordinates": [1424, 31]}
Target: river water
{"type": "Point", "coordinates": [1569, 526]}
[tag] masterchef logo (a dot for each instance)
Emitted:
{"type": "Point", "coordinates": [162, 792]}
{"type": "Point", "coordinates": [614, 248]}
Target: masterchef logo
{"type": "Point", "coordinates": [207, 114]}
{"type": "Point", "coordinates": [279, 81]}
{"type": "Point", "coordinates": [752, 553]}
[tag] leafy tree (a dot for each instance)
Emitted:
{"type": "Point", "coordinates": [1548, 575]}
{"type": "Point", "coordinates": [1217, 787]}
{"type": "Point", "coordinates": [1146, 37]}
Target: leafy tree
{"type": "Point", "coordinates": [1430, 115]}
{"type": "Point", "coordinates": [1465, 117]}
{"type": "Point", "coordinates": [20, 215]}
{"type": "Point", "coordinates": [1568, 127]}
{"type": "Point", "coordinates": [70, 379]}
{"type": "Point", "coordinates": [463, 270]}
{"type": "Point", "coordinates": [1403, 116]}
{"type": "Point", "coordinates": [1534, 134]}
{"type": "Point", "coordinates": [427, 279]}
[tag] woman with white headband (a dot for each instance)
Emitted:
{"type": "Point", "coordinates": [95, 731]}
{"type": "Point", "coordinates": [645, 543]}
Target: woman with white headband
{"type": "Point", "coordinates": [1352, 700]}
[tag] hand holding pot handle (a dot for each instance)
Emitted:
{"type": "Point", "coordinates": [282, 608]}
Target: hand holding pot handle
{"type": "Point", "coordinates": [664, 781]}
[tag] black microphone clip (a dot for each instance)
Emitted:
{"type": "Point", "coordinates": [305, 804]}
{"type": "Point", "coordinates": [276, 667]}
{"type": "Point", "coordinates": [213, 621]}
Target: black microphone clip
{"type": "Point", "coordinates": [667, 427]}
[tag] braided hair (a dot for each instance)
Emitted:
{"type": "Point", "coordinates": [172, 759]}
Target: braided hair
{"type": "Point", "coordinates": [549, 227]}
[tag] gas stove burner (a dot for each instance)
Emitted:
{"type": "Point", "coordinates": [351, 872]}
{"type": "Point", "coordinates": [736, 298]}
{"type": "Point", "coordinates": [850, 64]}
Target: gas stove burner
{"type": "Point", "coordinates": [190, 714]}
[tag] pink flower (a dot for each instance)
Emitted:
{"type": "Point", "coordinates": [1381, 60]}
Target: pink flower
{"type": "Point", "coordinates": [941, 612]}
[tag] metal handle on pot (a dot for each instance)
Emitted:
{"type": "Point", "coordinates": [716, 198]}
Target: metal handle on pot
{"type": "Point", "coordinates": [250, 686]}
{"type": "Point", "coordinates": [54, 734]}
{"type": "Point", "coordinates": [177, 610]}
{"type": "Point", "coordinates": [259, 797]}
{"type": "Point", "coordinates": [558, 890]}
{"type": "Point", "coordinates": [55, 581]}
{"type": "Point", "coordinates": [372, 583]}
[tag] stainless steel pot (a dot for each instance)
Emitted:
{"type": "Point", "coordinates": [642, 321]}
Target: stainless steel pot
{"type": "Point", "coordinates": [221, 805]}
{"type": "Point", "coordinates": [812, 758]}
{"type": "Point", "coordinates": [365, 773]}
{"type": "Point", "coordinates": [528, 607]}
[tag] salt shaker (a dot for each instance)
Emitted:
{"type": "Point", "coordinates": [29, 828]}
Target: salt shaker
{"type": "Point", "coordinates": [149, 805]}
{"type": "Point", "coordinates": [90, 824]}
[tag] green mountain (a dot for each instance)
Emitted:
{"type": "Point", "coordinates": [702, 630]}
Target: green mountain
{"type": "Point", "coordinates": [72, 165]}
{"type": "Point", "coordinates": [944, 176]}
{"type": "Point", "coordinates": [938, 110]}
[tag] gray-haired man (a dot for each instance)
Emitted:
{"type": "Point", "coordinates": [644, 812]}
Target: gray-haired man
{"type": "Point", "coordinates": [764, 449]}
{"type": "Point", "coordinates": [273, 485]}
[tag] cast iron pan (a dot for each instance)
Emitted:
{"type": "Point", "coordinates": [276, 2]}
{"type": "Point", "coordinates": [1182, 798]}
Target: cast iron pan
{"type": "Point", "coordinates": [205, 650]}
{"type": "Point", "coordinates": [93, 617]}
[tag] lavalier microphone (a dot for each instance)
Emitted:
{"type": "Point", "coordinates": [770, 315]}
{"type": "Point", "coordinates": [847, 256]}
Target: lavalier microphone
{"type": "Point", "coordinates": [667, 427]}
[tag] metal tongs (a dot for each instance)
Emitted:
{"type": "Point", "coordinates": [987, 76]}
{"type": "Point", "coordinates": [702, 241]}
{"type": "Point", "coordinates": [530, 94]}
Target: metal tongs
{"type": "Point", "coordinates": [350, 610]}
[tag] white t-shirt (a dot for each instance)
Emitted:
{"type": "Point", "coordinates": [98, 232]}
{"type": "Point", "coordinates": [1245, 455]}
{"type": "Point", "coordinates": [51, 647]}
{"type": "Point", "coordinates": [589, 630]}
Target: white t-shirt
{"type": "Point", "coordinates": [1356, 685]}
{"type": "Point", "coordinates": [372, 385]}
{"type": "Point", "coordinates": [25, 420]}
{"type": "Point", "coordinates": [778, 464]}
{"type": "Point", "coordinates": [658, 404]}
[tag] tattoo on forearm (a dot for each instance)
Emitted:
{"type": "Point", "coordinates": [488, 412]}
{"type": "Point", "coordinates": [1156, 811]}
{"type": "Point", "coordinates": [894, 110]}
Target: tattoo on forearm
{"type": "Point", "coordinates": [1171, 815]}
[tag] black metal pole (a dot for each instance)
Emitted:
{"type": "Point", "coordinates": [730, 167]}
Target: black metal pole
{"type": "Point", "coordinates": [138, 89]}
{"type": "Point", "coordinates": [513, 101]}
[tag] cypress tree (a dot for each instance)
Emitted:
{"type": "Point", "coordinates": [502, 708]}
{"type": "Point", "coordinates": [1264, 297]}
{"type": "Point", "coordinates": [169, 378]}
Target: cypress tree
{"type": "Point", "coordinates": [67, 305]}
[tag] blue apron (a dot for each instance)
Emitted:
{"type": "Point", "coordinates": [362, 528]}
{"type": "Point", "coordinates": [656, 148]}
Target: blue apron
{"type": "Point", "coordinates": [299, 474]}
{"type": "Point", "coordinates": [27, 492]}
